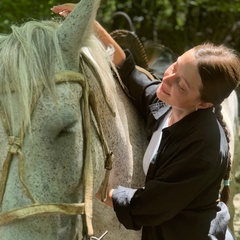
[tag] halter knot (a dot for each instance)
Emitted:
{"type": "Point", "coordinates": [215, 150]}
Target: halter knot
{"type": "Point", "coordinates": [14, 144]}
{"type": "Point", "coordinates": [109, 161]}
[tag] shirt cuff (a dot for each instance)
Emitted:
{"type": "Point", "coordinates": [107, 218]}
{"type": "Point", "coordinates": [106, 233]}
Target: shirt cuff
{"type": "Point", "coordinates": [121, 202]}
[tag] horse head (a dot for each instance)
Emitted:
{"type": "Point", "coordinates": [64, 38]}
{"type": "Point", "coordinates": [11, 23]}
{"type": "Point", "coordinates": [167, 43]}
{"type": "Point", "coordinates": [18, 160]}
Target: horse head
{"type": "Point", "coordinates": [43, 130]}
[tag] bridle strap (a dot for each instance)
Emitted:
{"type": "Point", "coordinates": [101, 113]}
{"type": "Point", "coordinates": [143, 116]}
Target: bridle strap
{"type": "Point", "coordinates": [14, 148]}
{"type": "Point", "coordinates": [38, 209]}
{"type": "Point", "coordinates": [15, 144]}
{"type": "Point", "coordinates": [109, 156]}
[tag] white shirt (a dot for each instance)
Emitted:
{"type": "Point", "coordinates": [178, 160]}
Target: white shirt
{"type": "Point", "coordinates": [154, 144]}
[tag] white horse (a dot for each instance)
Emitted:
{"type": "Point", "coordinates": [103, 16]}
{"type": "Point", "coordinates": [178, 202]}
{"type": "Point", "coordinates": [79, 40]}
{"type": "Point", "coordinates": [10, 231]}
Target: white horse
{"type": "Point", "coordinates": [51, 142]}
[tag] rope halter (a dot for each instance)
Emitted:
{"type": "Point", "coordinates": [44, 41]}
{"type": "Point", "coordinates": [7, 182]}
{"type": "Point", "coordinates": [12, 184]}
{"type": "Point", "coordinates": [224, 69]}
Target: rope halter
{"type": "Point", "coordinates": [15, 148]}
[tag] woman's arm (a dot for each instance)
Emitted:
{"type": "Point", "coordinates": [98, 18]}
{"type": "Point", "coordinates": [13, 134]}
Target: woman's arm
{"type": "Point", "coordinates": [107, 40]}
{"type": "Point", "coordinates": [119, 55]}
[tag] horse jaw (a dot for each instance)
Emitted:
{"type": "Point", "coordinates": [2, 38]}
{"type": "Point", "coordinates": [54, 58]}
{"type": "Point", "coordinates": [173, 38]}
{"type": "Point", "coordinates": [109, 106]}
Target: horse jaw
{"type": "Point", "coordinates": [75, 30]}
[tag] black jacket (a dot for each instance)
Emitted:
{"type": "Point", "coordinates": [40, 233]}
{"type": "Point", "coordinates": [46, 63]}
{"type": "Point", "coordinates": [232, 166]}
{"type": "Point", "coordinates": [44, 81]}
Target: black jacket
{"type": "Point", "coordinates": [180, 197]}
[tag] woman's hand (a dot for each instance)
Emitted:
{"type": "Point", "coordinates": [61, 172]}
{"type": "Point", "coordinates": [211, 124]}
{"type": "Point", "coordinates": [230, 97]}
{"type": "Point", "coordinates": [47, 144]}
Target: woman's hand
{"type": "Point", "coordinates": [108, 201]}
{"type": "Point", "coordinates": [63, 9]}
{"type": "Point", "coordinates": [107, 40]}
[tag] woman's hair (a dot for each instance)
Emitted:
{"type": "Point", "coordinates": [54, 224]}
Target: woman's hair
{"type": "Point", "coordinates": [219, 68]}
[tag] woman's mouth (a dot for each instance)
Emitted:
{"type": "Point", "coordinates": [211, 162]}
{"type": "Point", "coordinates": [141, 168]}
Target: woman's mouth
{"type": "Point", "coordinates": [163, 89]}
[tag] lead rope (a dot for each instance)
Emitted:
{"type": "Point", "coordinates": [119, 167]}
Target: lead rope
{"type": "Point", "coordinates": [88, 166]}
{"type": "Point", "coordinates": [109, 157]}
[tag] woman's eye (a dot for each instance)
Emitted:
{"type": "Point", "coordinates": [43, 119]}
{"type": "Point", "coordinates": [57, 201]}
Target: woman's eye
{"type": "Point", "coordinates": [182, 89]}
{"type": "Point", "coordinates": [179, 86]}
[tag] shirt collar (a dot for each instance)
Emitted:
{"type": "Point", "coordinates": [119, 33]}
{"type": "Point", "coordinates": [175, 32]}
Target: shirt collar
{"type": "Point", "coordinates": [158, 109]}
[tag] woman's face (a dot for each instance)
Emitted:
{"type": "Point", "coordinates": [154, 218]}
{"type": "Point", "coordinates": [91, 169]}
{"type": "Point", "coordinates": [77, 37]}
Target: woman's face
{"type": "Point", "coordinates": [181, 83]}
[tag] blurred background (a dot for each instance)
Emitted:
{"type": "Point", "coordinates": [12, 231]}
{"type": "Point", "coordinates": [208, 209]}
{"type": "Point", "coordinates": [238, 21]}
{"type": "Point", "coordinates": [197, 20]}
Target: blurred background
{"type": "Point", "coordinates": [177, 24]}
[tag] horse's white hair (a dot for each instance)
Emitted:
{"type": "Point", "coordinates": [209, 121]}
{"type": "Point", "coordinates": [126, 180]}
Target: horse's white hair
{"type": "Point", "coordinates": [28, 60]}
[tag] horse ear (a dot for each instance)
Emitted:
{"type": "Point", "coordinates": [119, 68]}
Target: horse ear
{"type": "Point", "coordinates": [74, 31]}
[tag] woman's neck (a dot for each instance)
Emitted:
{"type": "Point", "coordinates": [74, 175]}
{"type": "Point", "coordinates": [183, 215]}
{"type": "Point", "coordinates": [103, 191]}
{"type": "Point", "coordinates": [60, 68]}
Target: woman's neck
{"type": "Point", "coordinates": [176, 115]}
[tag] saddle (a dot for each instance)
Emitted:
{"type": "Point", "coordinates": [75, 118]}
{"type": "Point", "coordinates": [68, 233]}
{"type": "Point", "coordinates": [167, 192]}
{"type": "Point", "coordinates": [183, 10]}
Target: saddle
{"type": "Point", "coordinates": [152, 58]}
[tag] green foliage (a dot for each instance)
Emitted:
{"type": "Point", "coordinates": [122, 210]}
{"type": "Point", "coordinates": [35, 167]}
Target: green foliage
{"type": "Point", "coordinates": [178, 24]}
{"type": "Point", "coordinates": [16, 12]}
{"type": "Point", "coordinates": [106, 12]}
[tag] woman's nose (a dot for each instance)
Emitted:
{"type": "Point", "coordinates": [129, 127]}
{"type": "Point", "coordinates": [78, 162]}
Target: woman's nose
{"type": "Point", "coordinates": [168, 78]}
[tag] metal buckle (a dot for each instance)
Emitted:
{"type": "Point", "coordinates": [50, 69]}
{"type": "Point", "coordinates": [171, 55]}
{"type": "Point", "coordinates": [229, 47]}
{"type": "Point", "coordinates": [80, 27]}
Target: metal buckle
{"type": "Point", "coordinates": [101, 237]}
{"type": "Point", "coordinates": [85, 237]}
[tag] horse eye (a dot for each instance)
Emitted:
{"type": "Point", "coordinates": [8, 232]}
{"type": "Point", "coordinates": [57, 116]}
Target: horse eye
{"type": "Point", "coordinates": [68, 129]}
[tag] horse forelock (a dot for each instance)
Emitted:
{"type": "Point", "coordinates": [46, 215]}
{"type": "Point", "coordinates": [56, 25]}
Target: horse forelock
{"type": "Point", "coordinates": [28, 58]}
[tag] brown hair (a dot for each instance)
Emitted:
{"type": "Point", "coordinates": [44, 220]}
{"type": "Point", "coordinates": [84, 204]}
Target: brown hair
{"type": "Point", "coordinates": [219, 68]}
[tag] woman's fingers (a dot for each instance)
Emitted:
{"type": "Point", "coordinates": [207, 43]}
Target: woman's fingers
{"type": "Point", "coordinates": [63, 9]}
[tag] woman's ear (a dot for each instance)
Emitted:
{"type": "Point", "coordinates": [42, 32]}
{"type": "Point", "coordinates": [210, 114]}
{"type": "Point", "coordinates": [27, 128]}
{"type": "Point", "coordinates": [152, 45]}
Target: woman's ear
{"type": "Point", "coordinates": [204, 105]}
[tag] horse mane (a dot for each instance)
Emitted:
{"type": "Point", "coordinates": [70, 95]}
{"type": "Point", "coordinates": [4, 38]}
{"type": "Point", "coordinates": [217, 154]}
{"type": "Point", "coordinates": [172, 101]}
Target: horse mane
{"type": "Point", "coordinates": [102, 59]}
{"type": "Point", "coordinates": [28, 57]}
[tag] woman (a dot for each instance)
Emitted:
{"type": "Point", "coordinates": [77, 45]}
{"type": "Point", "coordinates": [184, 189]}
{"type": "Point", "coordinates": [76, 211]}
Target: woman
{"type": "Point", "coordinates": [188, 153]}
